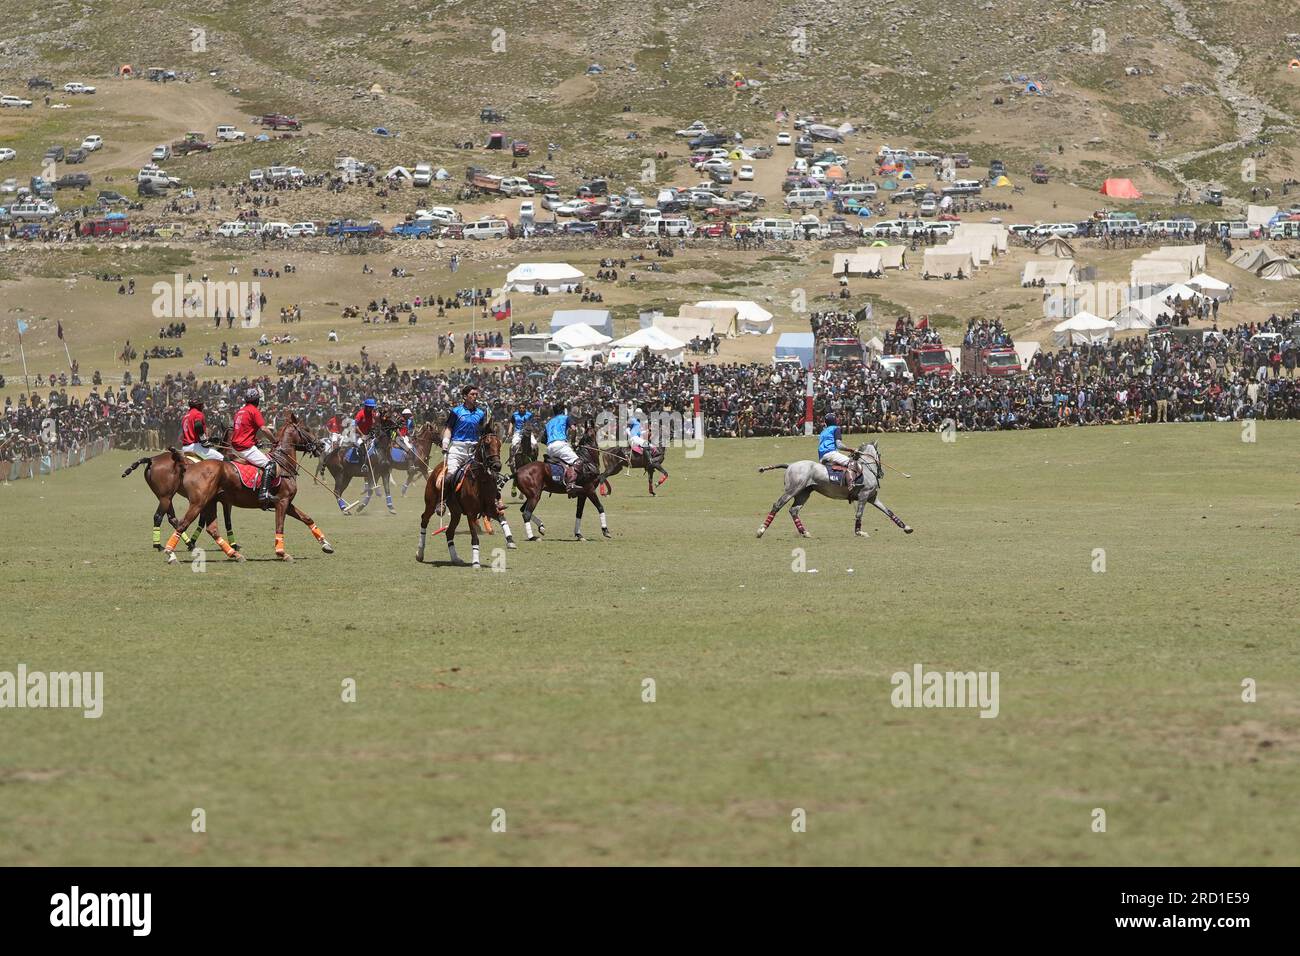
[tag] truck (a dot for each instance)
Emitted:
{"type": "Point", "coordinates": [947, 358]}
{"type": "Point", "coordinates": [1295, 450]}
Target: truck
{"type": "Point", "coordinates": [529, 349]}
{"type": "Point", "coordinates": [931, 359]}
{"type": "Point", "coordinates": [277, 121]}
{"type": "Point", "coordinates": [998, 361]}
{"type": "Point", "coordinates": [541, 179]}
{"type": "Point", "coordinates": [416, 229]}
{"type": "Point", "coordinates": [1038, 174]}
{"type": "Point", "coordinates": [841, 351]}
{"type": "Point", "coordinates": [350, 227]}
{"type": "Point", "coordinates": [423, 174]}
{"type": "Point", "coordinates": [480, 178]}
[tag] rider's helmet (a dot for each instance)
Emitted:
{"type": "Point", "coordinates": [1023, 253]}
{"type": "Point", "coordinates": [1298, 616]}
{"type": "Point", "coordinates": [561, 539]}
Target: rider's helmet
{"type": "Point", "coordinates": [831, 419]}
{"type": "Point", "coordinates": [407, 412]}
{"type": "Point", "coordinates": [639, 413]}
{"type": "Point", "coordinates": [370, 403]}
{"type": "Point", "coordinates": [253, 396]}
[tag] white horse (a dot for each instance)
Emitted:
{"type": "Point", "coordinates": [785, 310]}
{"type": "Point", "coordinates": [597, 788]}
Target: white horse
{"type": "Point", "coordinates": [802, 478]}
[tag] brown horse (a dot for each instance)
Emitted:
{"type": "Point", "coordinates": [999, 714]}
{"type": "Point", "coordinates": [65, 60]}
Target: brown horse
{"type": "Point", "coordinates": [536, 477]}
{"type": "Point", "coordinates": [162, 473]}
{"type": "Point", "coordinates": [474, 497]}
{"type": "Point", "coordinates": [422, 442]}
{"type": "Point", "coordinates": [616, 459]}
{"type": "Point", "coordinates": [221, 478]}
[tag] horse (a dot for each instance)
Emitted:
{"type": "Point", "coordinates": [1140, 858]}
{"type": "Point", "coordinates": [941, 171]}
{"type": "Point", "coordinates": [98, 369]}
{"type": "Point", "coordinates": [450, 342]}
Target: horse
{"type": "Point", "coordinates": [649, 458]}
{"type": "Point", "coordinates": [401, 459]}
{"type": "Point", "coordinates": [213, 478]}
{"type": "Point", "coordinates": [802, 478]}
{"type": "Point", "coordinates": [474, 497]}
{"type": "Point", "coordinates": [373, 467]}
{"type": "Point", "coordinates": [162, 473]}
{"type": "Point", "coordinates": [536, 477]}
{"type": "Point", "coordinates": [523, 455]}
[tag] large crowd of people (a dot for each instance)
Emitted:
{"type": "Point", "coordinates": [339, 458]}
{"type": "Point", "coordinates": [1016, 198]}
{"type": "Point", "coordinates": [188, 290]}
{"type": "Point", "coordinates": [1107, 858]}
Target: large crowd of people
{"type": "Point", "coordinates": [1231, 374]}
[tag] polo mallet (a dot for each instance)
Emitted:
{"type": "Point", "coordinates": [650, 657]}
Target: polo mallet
{"type": "Point", "coordinates": [899, 470]}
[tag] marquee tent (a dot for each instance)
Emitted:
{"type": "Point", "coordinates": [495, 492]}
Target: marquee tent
{"type": "Point", "coordinates": [947, 263]}
{"type": "Point", "coordinates": [859, 263]}
{"type": "Point", "coordinates": [1193, 255]}
{"type": "Point", "coordinates": [656, 340]}
{"type": "Point", "coordinates": [1084, 329]}
{"type": "Point", "coordinates": [751, 318]}
{"type": "Point", "coordinates": [1139, 314]}
{"type": "Point", "coordinates": [1278, 269]}
{"type": "Point", "coordinates": [579, 336]}
{"type": "Point", "coordinates": [1157, 272]}
{"type": "Point", "coordinates": [1209, 286]}
{"type": "Point", "coordinates": [1050, 271]}
{"type": "Point", "coordinates": [1055, 246]}
{"type": "Point", "coordinates": [891, 257]}
{"type": "Point", "coordinates": [682, 327]}
{"type": "Point", "coordinates": [554, 276]}
{"type": "Point", "coordinates": [602, 320]}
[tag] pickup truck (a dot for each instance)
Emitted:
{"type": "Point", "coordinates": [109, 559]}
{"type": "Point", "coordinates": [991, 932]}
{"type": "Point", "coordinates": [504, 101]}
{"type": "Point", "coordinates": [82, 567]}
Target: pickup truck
{"type": "Point", "coordinates": [999, 361]}
{"type": "Point", "coordinates": [72, 181]}
{"type": "Point", "coordinates": [540, 179]}
{"type": "Point", "coordinates": [186, 146]}
{"type": "Point", "coordinates": [278, 121]}
{"type": "Point", "coordinates": [416, 229]}
{"type": "Point", "coordinates": [349, 227]}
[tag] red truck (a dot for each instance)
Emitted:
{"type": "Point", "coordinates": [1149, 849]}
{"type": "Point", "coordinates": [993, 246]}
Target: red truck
{"type": "Point", "coordinates": [842, 351]}
{"type": "Point", "coordinates": [999, 361]}
{"type": "Point", "coordinates": [930, 360]}
{"type": "Point", "coordinates": [542, 179]}
{"type": "Point", "coordinates": [280, 121]}
{"type": "Point", "coordinates": [480, 178]}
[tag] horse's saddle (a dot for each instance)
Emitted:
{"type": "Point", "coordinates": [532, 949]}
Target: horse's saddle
{"type": "Point", "coordinates": [251, 476]}
{"type": "Point", "coordinates": [840, 475]}
{"type": "Point", "coordinates": [560, 472]}
{"type": "Point", "coordinates": [357, 454]}
{"type": "Point", "coordinates": [192, 458]}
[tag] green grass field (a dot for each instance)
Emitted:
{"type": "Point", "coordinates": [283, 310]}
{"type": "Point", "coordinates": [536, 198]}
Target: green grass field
{"type": "Point", "coordinates": [522, 690]}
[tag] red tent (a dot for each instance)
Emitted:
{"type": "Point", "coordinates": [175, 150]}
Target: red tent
{"type": "Point", "coordinates": [1120, 189]}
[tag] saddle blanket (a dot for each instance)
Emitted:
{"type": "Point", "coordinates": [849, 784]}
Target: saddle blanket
{"type": "Point", "coordinates": [252, 477]}
{"type": "Point", "coordinates": [398, 455]}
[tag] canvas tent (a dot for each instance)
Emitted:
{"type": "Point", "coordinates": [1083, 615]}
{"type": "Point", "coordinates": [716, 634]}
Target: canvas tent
{"type": "Point", "coordinates": [723, 320]}
{"type": "Point", "coordinates": [1253, 259]}
{"type": "Point", "coordinates": [1157, 272]}
{"type": "Point", "coordinates": [1139, 314]}
{"type": "Point", "coordinates": [947, 263]}
{"type": "Point", "coordinates": [1120, 189]}
{"type": "Point", "coordinates": [682, 327]}
{"type": "Point", "coordinates": [602, 320]}
{"type": "Point", "coordinates": [1209, 286]}
{"type": "Point", "coordinates": [996, 230]}
{"type": "Point", "coordinates": [980, 246]}
{"type": "Point", "coordinates": [554, 276]}
{"type": "Point", "coordinates": [891, 257]}
{"type": "Point", "coordinates": [801, 345]}
{"type": "Point", "coordinates": [580, 335]}
{"type": "Point", "coordinates": [656, 340]}
{"type": "Point", "coordinates": [1260, 216]}
{"type": "Point", "coordinates": [1193, 255]}
{"type": "Point", "coordinates": [751, 318]}
{"type": "Point", "coordinates": [399, 172]}
{"type": "Point", "coordinates": [1179, 290]}
{"type": "Point", "coordinates": [1049, 271]}
{"type": "Point", "coordinates": [1055, 246]}
{"type": "Point", "coordinates": [1278, 269]}
{"type": "Point", "coordinates": [857, 263]}
{"type": "Point", "coordinates": [1084, 329]}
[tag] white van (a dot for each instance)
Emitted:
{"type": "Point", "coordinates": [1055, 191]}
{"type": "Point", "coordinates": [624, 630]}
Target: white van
{"type": "Point", "coordinates": [232, 229]}
{"type": "Point", "coordinates": [297, 174]}
{"type": "Point", "coordinates": [423, 175]}
{"type": "Point", "coordinates": [487, 229]}
{"type": "Point", "coordinates": [805, 198]}
{"type": "Point", "coordinates": [775, 228]}
{"type": "Point", "coordinates": [1121, 227]}
{"type": "Point", "coordinates": [277, 173]}
{"type": "Point", "coordinates": [964, 187]}
{"type": "Point", "coordinates": [301, 229]}
{"type": "Point", "coordinates": [256, 176]}
{"type": "Point", "coordinates": [676, 226]}
{"type": "Point", "coordinates": [273, 229]}
{"type": "Point", "coordinates": [856, 190]}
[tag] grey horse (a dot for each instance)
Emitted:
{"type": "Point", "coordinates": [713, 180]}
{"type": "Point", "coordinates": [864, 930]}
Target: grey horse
{"type": "Point", "coordinates": [802, 478]}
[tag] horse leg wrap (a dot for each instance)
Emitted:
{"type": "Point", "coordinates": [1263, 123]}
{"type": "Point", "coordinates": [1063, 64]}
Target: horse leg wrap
{"type": "Point", "coordinates": [174, 540]}
{"type": "Point", "coordinates": [768, 520]}
{"type": "Point", "coordinates": [604, 520]}
{"type": "Point", "coordinates": [474, 553]}
{"type": "Point", "coordinates": [317, 533]}
{"type": "Point", "coordinates": [279, 544]}
{"type": "Point", "coordinates": [157, 535]}
{"type": "Point", "coordinates": [799, 526]}
{"type": "Point", "coordinates": [662, 479]}
{"type": "Point", "coordinates": [225, 547]}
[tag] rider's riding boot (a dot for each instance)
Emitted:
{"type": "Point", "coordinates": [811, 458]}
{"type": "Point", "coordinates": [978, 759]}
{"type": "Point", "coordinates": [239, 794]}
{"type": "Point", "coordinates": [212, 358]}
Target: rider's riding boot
{"type": "Point", "coordinates": [264, 490]}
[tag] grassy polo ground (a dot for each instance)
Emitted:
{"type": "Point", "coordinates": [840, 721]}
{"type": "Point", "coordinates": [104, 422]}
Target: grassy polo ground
{"type": "Point", "coordinates": [522, 690]}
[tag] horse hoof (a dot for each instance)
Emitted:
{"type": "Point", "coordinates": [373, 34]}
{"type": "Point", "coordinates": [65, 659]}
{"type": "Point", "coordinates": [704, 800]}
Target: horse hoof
{"type": "Point", "coordinates": [510, 544]}
{"type": "Point", "coordinates": [862, 534]}
{"type": "Point", "coordinates": [327, 547]}
{"type": "Point", "coordinates": [157, 546]}
{"type": "Point", "coordinates": [604, 533]}
{"type": "Point", "coordinates": [477, 565]}
{"type": "Point", "coordinates": [392, 511]}
{"type": "Point", "coordinates": [760, 532]}
{"type": "Point", "coordinates": [578, 537]}
{"type": "Point", "coordinates": [284, 557]}
{"type": "Point", "coordinates": [239, 558]}
{"type": "Point", "coordinates": [171, 558]}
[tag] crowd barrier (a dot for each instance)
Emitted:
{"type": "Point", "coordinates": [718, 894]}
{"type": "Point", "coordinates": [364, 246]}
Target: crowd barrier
{"type": "Point", "coordinates": [54, 461]}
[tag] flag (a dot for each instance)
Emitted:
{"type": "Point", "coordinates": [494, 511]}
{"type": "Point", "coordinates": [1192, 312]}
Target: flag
{"type": "Point", "coordinates": [60, 321]}
{"type": "Point", "coordinates": [923, 324]}
{"type": "Point", "coordinates": [22, 327]}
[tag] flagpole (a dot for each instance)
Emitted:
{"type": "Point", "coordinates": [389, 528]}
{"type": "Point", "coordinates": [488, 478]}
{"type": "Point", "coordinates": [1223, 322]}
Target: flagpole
{"type": "Point", "coordinates": [23, 352]}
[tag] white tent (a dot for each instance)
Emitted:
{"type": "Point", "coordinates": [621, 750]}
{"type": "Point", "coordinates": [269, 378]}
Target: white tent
{"type": "Point", "coordinates": [997, 231]}
{"type": "Point", "coordinates": [891, 257]}
{"type": "Point", "coordinates": [1278, 269]}
{"type": "Point", "coordinates": [602, 320]}
{"type": "Point", "coordinates": [1158, 272]}
{"type": "Point", "coordinates": [684, 327]}
{"type": "Point", "coordinates": [1050, 271]}
{"type": "Point", "coordinates": [857, 263]}
{"type": "Point", "coordinates": [554, 276]}
{"type": "Point", "coordinates": [656, 340]}
{"type": "Point", "coordinates": [946, 263]}
{"type": "Point", "coordinates": [751, 318]}
{"type": "Point", "coordinates": [399, 172]}
{"type": "Point", "coordinates": [1259, 216]}
{"type": "Point", "coordinates": [1084, 329]}
{"type": "Point", "coordinates": [579, 336]}
{"type": "Point", "coordinates": [1193, 255]}
{"type": "Point", "coordinates": [1208, 285]}
{"type": "Point", "coordinates": [981, 246]}
{"type": "Point", "coordinates": [1139, 314]}
{"type": "Point", "coordinates": [1178, 290]}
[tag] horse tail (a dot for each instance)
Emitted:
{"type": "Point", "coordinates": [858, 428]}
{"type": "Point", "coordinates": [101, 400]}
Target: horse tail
{"type": "Point", "coordinates": [771, 468]}
{"type": "Point", "coordinates": [137, 464]}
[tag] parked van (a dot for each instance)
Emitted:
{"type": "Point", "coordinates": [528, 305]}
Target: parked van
{"type": "Point", "coordinates": [775, 228]}
{"type": "Point", "coordinates": [487, 229]}
{"type": "Point", "coordinates": [650, 218]}
{"type": "Point", "coordinates": [856, 191]}
{"type": "Point", "coordinates": [232, 229]}
{"type": "Point", "coordinates": [963, 187]}
{"type": "Point", "coordinates": [273, 229]}
{"type": "Point", "coordinates": [277, 173]}
{"type": "Point", "coordinates": [1121, 227]}
{"type": "Point", "coordinates": [805, 198]}
{"type": "Point", "coordinates": [675, 226]}
{"type": "Point", "coordinates": [256, 176]}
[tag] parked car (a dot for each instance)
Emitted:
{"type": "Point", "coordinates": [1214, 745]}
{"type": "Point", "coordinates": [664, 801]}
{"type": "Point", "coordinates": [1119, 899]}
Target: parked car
{"type": "Point", "coordinates": [579, 228]}
{"type": "Point", "coordinates": [698, 128]}
{"type": "Point", "coordinates": [92, 143]}
{"type": "Point", "coordinates": [230, 134]}
{"type": "Point", "coordinates": [36, 209]}
{"type": "Point", "coordinates": [161, 153]}
{"type": "Point", "coordinates": [15, 101]}
{"type": "Point", "coordinates": [72, 181]}
{"type": "Point", "coordinates": [10, 185]}
{"type": "Point", "coordinates": [54, 154]}
{"type": "Point", "coordinates": [76, 156]}
{"type": "Point", "coordinates": [232, 229]}
{"type": "Point", "coordinates": [301, 229]}
{"type": "Point", "coordinates": [75, 88]}
{"type": "Point", "coordinates": [7, 154]}
{"type": "Point", "coordinates": [108, 197]}
{"type": "Point", "coordinates": [783, 139]}
{"type": "Point", "coordinates": [39, 83]}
